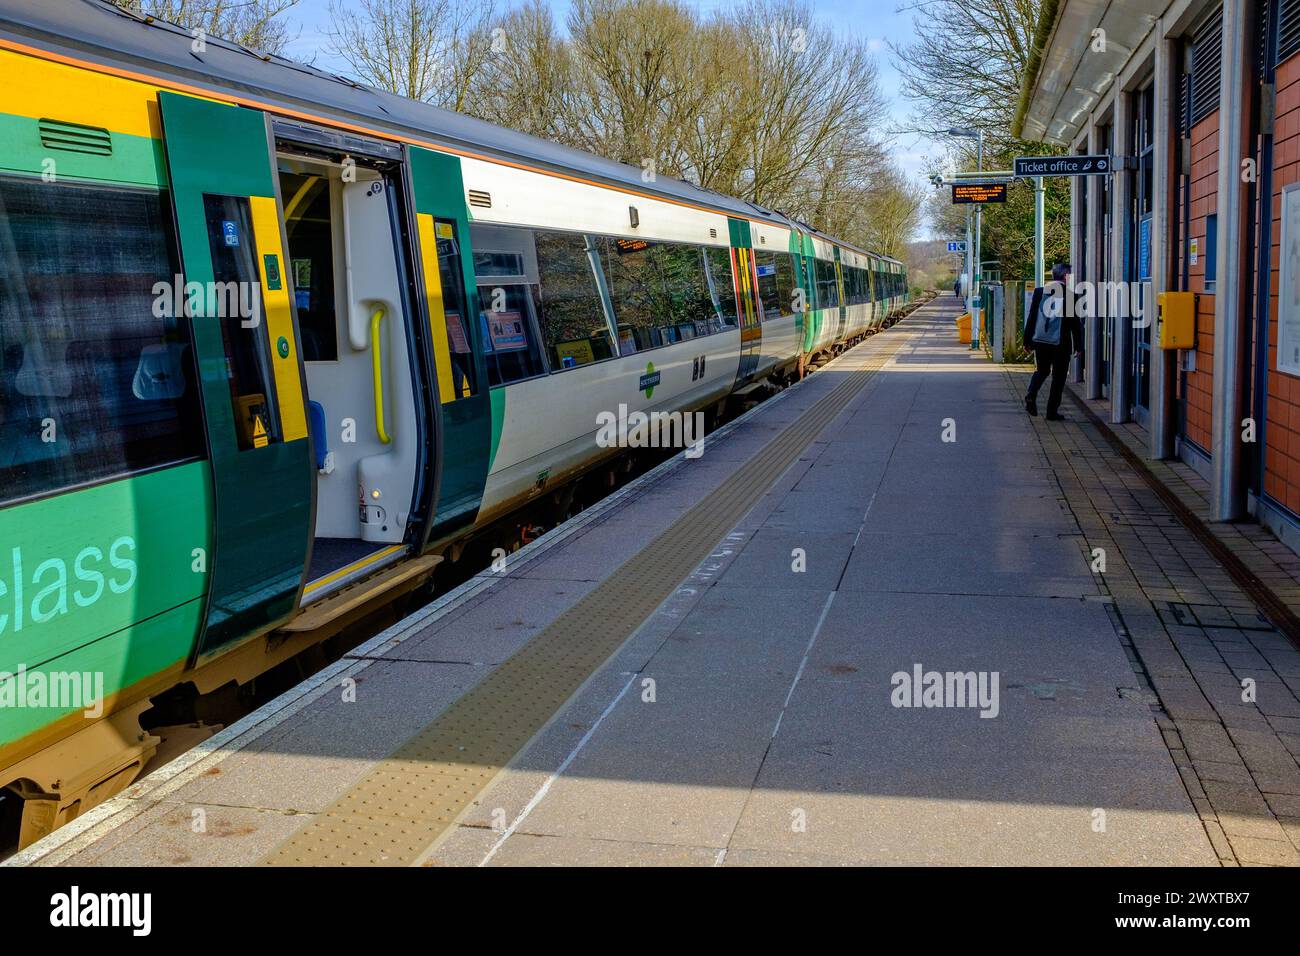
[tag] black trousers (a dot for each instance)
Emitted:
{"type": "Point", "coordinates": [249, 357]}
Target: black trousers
{"type": "Point", "coordinates": [1051, 360]}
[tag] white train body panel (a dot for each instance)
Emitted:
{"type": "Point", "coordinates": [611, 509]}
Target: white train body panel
{"type": "Point", "coordinates": [524, 198]}
{"type": "Point", "coordinates": [549, 423]}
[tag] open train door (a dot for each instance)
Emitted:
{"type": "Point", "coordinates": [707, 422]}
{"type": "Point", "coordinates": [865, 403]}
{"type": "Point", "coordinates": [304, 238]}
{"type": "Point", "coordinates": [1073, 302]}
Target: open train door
{"type": "Point", "coordinates": [228, 229]}
{"type": "Point", "coordinates": [457, 331]}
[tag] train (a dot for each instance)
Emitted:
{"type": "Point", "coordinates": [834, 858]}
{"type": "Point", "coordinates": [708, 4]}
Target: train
{"type": "Point", "coordinates": [277, 347]}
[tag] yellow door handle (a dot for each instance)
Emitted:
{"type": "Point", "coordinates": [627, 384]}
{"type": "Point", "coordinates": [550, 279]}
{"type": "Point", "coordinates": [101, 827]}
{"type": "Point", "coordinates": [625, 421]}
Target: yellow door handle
{"type": "Point", "coordinates": [376, 362]}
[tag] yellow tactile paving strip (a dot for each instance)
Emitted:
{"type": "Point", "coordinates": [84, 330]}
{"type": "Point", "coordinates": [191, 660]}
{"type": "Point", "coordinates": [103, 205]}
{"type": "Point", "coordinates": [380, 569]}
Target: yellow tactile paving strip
{"type": "Point", "coordinates": [394, 813]}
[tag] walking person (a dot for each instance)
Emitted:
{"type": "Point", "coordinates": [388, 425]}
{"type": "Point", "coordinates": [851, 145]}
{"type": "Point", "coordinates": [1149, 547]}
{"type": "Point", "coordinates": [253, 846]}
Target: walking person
{"type": "Point", "coordinates": [1054, 333]}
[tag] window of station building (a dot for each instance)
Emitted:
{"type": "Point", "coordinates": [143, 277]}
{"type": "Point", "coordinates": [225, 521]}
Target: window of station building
{"type": "Point", "coordinates": [455, 307]}
{"type": "Point", "coordinates": [827, 289]}
{"type": "Point", "coordinates": [571, 309]}
{"type": "Point", "coordinates": [509, 293]}
{"type": "Point", "coordinates": [96, 372]}
{"type": "Point", "coordinates": [1211, 252]}
{"type": "Point", "coordinates": [666, 292]}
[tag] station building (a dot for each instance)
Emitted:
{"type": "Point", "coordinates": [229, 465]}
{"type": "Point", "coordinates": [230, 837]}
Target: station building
{"type": "Point", "coordinates": [1198, 101]}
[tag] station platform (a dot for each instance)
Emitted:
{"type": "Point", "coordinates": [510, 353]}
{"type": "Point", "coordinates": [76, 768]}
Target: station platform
{"type": "Point", "coordinates": [715, 666]}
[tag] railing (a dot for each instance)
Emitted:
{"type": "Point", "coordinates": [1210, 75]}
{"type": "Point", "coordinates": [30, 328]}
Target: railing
{"type": "Point", "coordinates": [377, 365]}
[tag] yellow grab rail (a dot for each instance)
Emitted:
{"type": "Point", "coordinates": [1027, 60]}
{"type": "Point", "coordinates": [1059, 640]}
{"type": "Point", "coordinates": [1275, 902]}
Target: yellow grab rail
{"type": "Point", "coordinates": [376, 363]}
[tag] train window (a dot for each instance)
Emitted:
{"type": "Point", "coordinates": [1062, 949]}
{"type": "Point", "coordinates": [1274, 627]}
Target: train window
{"type": "Point", "coordinates": [234, 303]}
{"type": "Point", "coordinates": [455, 308]}
{"type": "Point", "coordinates": [662, 292]}
{"type": "Point", "coordinates": [572, 314]}
{"type": "Point", "coordinates": [505, 267]}
{"type": "Point", "coordinates": [96, 372]}
{"type": "Point", "coordinates": [308, 222]}
{"type": "Point", "coordinates": [828, 292]}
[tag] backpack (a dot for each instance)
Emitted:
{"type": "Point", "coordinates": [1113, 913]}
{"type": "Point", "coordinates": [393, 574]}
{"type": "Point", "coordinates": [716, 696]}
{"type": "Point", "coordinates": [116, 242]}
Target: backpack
{"type": "Point", "coordinates": [1047, 331]}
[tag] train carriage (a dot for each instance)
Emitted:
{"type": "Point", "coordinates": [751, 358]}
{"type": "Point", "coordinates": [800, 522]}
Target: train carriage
{"type": "Point", "coordinates": [273, 344]}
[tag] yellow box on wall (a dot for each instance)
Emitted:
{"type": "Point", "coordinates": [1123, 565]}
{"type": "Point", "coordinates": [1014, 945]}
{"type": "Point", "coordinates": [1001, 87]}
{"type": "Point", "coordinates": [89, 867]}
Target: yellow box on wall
{"type": "Point", "coordinates": [1177, 320]}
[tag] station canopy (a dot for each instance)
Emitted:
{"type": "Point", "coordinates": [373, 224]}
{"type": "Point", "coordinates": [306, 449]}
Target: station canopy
{"type": "Point", "coordinates": [1068, 76]}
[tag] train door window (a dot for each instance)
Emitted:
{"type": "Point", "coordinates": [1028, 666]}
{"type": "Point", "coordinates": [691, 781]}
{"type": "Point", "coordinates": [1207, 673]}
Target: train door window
{"type": "Point", "coordinates": [505, 268]}
{"type": "Point", "coordinates": [235, 303]}
{"type": "Point", "coordinates": [721, 283]}
{"type": "Point", "coordinates": [769, 298]}
{"type": "Point", "coordinates": [572, 313]}
{"type": "Point", "coordinates": [308, 222]}
{"type": "Point", "coordinates": [96, 371]}
{"type": "Point", "coordinates": [787, 282]}
{"type": "Point", "coordinates": [455, 307]}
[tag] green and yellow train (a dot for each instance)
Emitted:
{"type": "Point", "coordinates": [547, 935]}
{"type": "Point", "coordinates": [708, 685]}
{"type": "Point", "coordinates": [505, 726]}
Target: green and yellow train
{"type": "Point", "coordinates": [273, 345]}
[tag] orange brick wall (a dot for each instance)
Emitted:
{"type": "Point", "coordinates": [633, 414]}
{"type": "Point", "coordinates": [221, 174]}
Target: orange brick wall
{"type": "Point", "coordinates": [1282, 432]}
{"type": "Point", "coordinates": [1200, 383]}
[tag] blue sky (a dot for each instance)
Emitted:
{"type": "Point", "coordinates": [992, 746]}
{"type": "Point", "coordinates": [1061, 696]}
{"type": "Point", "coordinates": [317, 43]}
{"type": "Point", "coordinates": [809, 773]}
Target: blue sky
{"type": "Point", "coordinates": [876, 20]}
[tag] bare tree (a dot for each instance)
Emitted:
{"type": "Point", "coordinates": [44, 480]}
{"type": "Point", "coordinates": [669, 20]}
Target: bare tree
{"type": "Point", "coordinates": [893, 208]}
{"type": "Point", "coordinates": [810, 103]}
{"type": "Point", "coordinates": [427, 50]}
{"type": "Point", "coordinates": [965, 65]}
{"type": "Point", "coordinates": [635, 83]}
{"type": "Point", "coordinates": [527, 77]}
{"type": "Point", "coordinates": [257, 24]}
{"type": "Point", "coordinates": [982, 48]}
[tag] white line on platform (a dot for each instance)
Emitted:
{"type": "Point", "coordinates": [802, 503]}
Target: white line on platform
{"type": "Point", "coordinates": [545, 788]}
{"type": "Point", "coordinates": [807, 652]}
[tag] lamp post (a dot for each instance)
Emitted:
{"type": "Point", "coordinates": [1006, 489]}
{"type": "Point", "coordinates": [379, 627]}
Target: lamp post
{"type": "Point", "coordinates": [977, 134]}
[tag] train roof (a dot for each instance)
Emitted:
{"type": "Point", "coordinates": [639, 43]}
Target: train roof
{"type": "Point", "coordinates": [98, 32]}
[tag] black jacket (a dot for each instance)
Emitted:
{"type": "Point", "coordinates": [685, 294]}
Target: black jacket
{"type": "Point", "coordinates": [1071, 327]}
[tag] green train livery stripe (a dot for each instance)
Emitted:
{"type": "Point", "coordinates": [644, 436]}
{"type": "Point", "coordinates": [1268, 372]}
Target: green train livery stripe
{"type": "Point", "coordinates": [498, 396]}
{"type": "Point", "coordinates": [137, 160]}
{"type": "Point", "coordinates": [119, 594]}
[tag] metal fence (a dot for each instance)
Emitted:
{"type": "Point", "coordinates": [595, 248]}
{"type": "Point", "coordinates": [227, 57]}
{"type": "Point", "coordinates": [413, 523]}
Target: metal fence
{"type": "Point", "coordinates": [1004, 307]}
